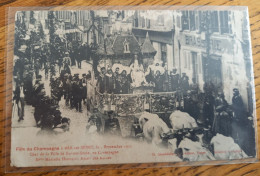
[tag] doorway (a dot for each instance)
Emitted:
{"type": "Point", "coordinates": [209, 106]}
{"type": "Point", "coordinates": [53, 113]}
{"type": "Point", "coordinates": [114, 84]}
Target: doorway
{"type": "Point", "coordinates": [214, 71]}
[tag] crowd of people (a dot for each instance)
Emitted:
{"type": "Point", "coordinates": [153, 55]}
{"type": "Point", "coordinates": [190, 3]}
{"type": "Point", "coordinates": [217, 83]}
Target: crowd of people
{"type": "Point", "coordinates": [72, 88]}
{"type": "Point", "coordinates": [46, 109]}
{"type": "Point", "coordinates": [124, 79]}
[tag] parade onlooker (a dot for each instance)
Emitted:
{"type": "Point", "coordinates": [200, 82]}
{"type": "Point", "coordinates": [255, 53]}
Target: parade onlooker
{"type": "Point", "coordinates": [19, 100]}
{"type": "Point", "coordinates": [66, 59]}
{"type": "Point", "coordinates": [191, 106]}
{"type": "Point", "coordinates": [84, 84]}
{"type": "Point", "coordinates": [68, 90]}
{"type": "Point", "coordinates": [37, 100]}
{"type": "Point", "coordinates": [136, 131]}
{"type": "Point", "coordinates": [238, 106]}
{"type": "Point", "coordinates": [46, 70]}
{"type": "Point", "coordinates": [77, 91]}
{"type": "Point", "coordinates": [240, 119]}
{"type": "Point", "coordinates": [116, 73]}
{"type": "Point", "coordinates": [112, 126]}
{"type": "Point", "coordinates": [184, 83]}
{"type": "Point", "coordinates": [117, 81]}
{"type": "Point", "coordinates": [101, 82]}
{"type": "Point", "coordinates": [60, 60]}
{"type": "Point", "coordinates": [207, 111]}
{"type": "Point", "coordinates": [222, 123]}
{"type": "Point", "coordinates": [124, 83]}
{"type": "Point", "coordinates": [158, 81]}
{"type": "Point", "coordinates": [28, 86]}
{"type": "Point", "coordinates": [37, 67]}
{"type": "Point", "coordinates": [95, 119]}
{"type": "Point", "coordinates": [78, 57]}
{"type": "Point", "coordinates": [110, 81]}
{"type": "Point", "coordinates": [194, 87]}
{"type": "Point", "coordinates": [174, 80]}
{"type": "Point", "coordinates": [88, 76]}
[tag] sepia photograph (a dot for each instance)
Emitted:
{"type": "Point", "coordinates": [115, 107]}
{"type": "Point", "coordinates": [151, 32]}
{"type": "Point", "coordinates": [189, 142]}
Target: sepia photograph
{"type": "Point", "coordinates": [132, 86]}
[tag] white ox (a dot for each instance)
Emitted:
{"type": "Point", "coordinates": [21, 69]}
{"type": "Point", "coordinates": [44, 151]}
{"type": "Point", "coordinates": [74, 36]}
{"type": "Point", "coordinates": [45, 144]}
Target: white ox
{"type": "Point", "coordinates": [190, 150]}
{"type": "Point", "coordinates": [226, 149]}
{"type": "Point", "coordinates": [180, 120]}
{"type": "Point", "coordinates": [194, 151]}
{"type": "Point", "coordinates": [153, 127]}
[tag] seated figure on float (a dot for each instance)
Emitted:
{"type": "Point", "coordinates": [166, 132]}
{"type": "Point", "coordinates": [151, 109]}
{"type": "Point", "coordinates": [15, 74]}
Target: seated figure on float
{"type": "Point", "coordinates": [138, 75]}
{"type": "Point", "coordinates": [155, 75]}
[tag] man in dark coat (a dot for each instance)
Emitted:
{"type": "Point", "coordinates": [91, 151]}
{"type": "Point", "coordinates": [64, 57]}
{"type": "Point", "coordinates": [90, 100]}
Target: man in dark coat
{"type": "Point", "coordinates": [78, 57]}
{"type": "Point", "coordinates": [110, 81]}
{"type": "Point", "coordinates": [101, 82]}
{"type": "Point", "coordinates": [238, 106]}
{"type": "Point", "coordinates": [77, 89]}
{"type": "Point", "coordinates": [56, 90]}
{"type": "Point", "coordinates": [174, 80]}
{"type": "Point", "coordinates": [19, 100]}
{"type": "Point", "coordinates": [240, 119]}
{"type": "Point", "coordinates": [124, 82]}
{"type": "Point", "coordinates": [194, 87]}
{"type": "Point", "coordinates": [184, 83]}
{"type": "Point", "coordinates": [67, 89]}
{"type": "Point", "coordinates": [208, 110]}
{"type": "Point", "coordinates": [96, 119]}
{"type": "Point", "coordinates": [136, 131]}
{"type": "Point", "coordinates": [112, 126]}
{"type": "Point", "coordinates": [28, 87]}
{"type": "Point", "coordinates": [38, 101]}
{"type": "Point", "coordinates": [84, 84]}
{"type": "Point", "coordinates": [222, 123]}
{"type": "Point", "coordinates": [37, 67]}
{"type": "Point", "coordinates": [158, 81]}
{"type": "Point", "coordinates": [117, 78]}
{"type": "Point", "coordinates": [191, 106]}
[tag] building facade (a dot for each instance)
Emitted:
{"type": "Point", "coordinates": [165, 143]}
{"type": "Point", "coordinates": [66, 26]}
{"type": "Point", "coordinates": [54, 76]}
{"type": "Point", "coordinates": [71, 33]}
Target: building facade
{"type": "Point", "coordinates": [161, 33]}
{"type": "Point", "coordinates": [208, 48]}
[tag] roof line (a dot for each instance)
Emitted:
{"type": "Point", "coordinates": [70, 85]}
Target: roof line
{"type": "Point", "coordinates": [114, 42]}
{"type": "Point", "coordinates": [136, 40]}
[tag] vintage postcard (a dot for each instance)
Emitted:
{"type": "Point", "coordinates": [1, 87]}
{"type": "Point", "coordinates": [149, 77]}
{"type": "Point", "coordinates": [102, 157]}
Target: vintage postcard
{"type": "Point", "coordinates": [132, 86]}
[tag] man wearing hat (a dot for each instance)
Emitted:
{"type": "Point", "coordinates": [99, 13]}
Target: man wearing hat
{"type": "Point", "coordinates": [20, 61]}
{"type": "Point", "coordinates": [84, 84]}
{"type": "Point", "coordinates": [238, 106]}
{"type": "Point", "coordinates": [124, 82]}
{"type": "Point", "coordinates": [19, 99]}
{"type": "Point", "coordinates": [67, 89]}
{"type": "Point", "coordinates": [95, 119]}
{"type": "Point", "coordinates": [136, 130]}
{"type": "Point", "coordinates": [110, 81]}
{"type": "Point", "coordinates": [174, 80]}
{"type": "Point", "coordinates": [116, 76]}
{"type": "Point", "coordinates": [191, 106]}
{"type": "Point", "coordinates": [39, 98]}
{"type": "Point", "coordinates": [78, 56]}
{"type": "Point", "coordinates": [37, 67]}
{"type": "Point", "coordinates": [222, 120]}
{"type": "Point", "coordinates": [67, 59]}
{"type": "Point", "coordinates": [77, 91]}
{"type": "Point", "coordinates": [112, 124]}
{"type": "Point", "coordinates": [101, 82]}
{"type": "Point", "coordinates": [184, 83]}
{"type": "Point", "coordinates": [158, 81]}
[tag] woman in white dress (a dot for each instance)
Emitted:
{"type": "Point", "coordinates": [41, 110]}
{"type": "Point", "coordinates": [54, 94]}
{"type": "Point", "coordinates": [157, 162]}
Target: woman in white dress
{"type": "Point", "coordinates": [137, 72]}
